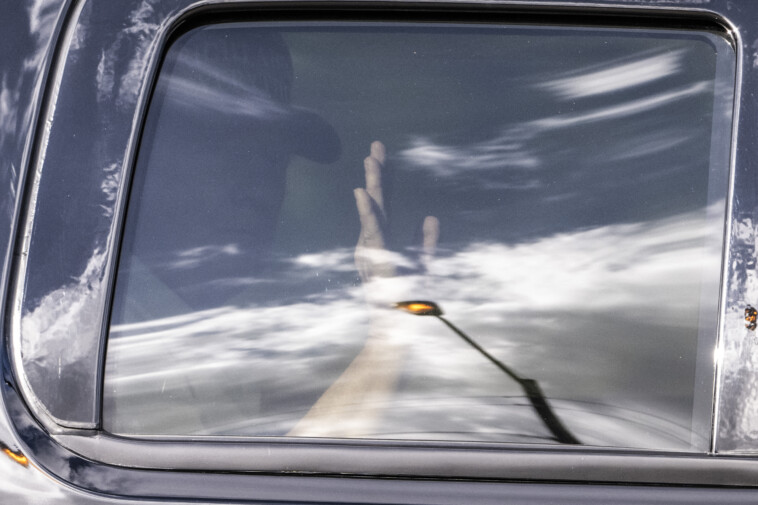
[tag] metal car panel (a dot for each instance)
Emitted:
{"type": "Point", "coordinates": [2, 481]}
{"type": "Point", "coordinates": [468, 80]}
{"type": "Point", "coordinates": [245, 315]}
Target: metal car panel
{"type": "Point", "coordinates": [74, 162]}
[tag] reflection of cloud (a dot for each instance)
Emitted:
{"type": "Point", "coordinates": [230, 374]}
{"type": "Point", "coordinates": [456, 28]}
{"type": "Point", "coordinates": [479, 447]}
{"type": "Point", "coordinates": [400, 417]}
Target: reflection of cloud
{"type": "Point", "coordinates": [585, 271]}
{"type": "Point", "coordinates": [23, 486]}
{"type": "Point", "coordinates": [738, 395]}
{"type": "Point", "coordinates": [57, 367]}
{"type": "Point", "coordinates": [502, 152]}
{"type": "Point", "coordinates": [139, 38]}
{"type": "Point", "coordinates": [105, 74]}
{"type": "Point", "coordinates": [230, 100]}
{"type": "Point", "coordinates": [646, 145]}
{"type": "Point", "coordinates": [142, 28]}
{"type": "Point", "coordinates": [109, 186]}
{"type": "Point", "coordinates": [191, 258]}
{"type": "Point", "coordinates": [216, 87]}
{"type": "Point", "coordinates": [344, 260]}
{"type": "Point", "coordinates": [507, 151]}
{"type": "Point", "coordinates": [231, 282]}
{"type": "Point", "coordinates": [339, 260]}
{"type": "Point", "coordinates": [616, 76]}
{"type": "Point", "coordinates": [256, 369]}
{"type": "Point", "coordinates": [45, 330]}
{"type": "Point", "coordinates": [42, 16]}
{"type": "Point", "coordinates": [8, 110]}
{"type": "Point", "coordinates": [624, 109]}
{"type": "Point", "coordinates": [517, 148]}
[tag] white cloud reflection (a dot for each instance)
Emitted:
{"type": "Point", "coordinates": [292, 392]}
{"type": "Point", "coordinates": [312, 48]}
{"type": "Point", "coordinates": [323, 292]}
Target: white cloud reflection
{"type": "Point", "coordinates": [602, 317]}
{"type": "Point", "coordinates": [624, 109]}
{"type": "Point", "coordinates": [505, 151]}
{"type": "Point", "coordinates": [518, 149]}
{"type": "Point", "coordinates": [42, 15]}
{"type": "Point", "coordinates": [195, 256]}
{"type": "Point", "coordinates": [14, 81]}
{"type": "Point", "coordinates": [8, 110]}
{"type": "Point", "coordinates": [230, 101]}
{"type": "Point", "coordinates": [139, 40]}
{"type": "Point", "coordinates": [616, 76]}
{"type": "Point", "coordinates": [646, 145]}
{"type": "Point", "coordinates": [338, 260]}
{"type": "Point", "coordinates": [45, 330]}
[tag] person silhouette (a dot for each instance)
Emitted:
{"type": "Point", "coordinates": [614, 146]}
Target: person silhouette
{"type": "Point", "coordinates": [211, 173]}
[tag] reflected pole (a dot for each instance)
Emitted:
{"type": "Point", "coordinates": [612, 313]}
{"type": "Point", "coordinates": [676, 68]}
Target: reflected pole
{"type": "Point", "coordinates": [531, 387]}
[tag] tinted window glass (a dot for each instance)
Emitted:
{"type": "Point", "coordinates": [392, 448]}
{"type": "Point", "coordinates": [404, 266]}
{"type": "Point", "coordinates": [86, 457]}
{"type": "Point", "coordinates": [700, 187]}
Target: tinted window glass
{"type": "Point", "coordinates": [553, 198]}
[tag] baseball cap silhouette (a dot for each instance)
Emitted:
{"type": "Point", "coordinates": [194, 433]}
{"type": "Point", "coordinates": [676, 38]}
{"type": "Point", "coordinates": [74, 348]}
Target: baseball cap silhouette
{"type": "Point", "coordinates": [247, 74]}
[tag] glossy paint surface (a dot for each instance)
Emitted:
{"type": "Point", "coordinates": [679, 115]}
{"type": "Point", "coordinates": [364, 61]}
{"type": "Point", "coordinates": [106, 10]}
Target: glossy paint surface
{"type": "Point", "coordinates": [115, 44]}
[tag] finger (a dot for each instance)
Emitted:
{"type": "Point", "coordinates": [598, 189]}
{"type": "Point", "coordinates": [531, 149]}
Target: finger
{"type": "Point", "coordinates": [363, 204]}
{"type": "Point", "coordinates": [431, 231]}
{"type": "Point", "coordinates": [378, 152]}
{"type": "Point", "coordinates": [371, 231]}
{"type": "Point", "coordinates": [374, 181]}
{"type": "Point", "coordinates": [362, 264]}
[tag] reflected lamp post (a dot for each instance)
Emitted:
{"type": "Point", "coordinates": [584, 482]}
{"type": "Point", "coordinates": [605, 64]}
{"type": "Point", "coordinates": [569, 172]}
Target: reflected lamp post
{"type": "Point", "coordinates": [531, 387]}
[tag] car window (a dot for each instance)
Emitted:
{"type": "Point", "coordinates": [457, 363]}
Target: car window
{"type": "Point", "coordinates": [426, 232]}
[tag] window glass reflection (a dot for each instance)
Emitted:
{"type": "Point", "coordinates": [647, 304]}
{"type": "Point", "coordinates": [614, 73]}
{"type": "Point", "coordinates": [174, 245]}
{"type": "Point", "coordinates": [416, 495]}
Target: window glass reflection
{"type": "Point", "coordinates": [557, 193]}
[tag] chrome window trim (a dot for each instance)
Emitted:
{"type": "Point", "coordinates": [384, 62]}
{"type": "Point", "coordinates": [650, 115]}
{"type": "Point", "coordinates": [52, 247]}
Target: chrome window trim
{"type": "Point", "coordinates": [56, 74]}
{"type": "Point", "coordinates": [365, 458]}
{"type": "Point", "coordinates": [338, 457]}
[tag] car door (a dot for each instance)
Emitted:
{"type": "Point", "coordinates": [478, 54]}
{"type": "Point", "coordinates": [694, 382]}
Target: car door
{"type": "Point", "coordinates": [551, 293]}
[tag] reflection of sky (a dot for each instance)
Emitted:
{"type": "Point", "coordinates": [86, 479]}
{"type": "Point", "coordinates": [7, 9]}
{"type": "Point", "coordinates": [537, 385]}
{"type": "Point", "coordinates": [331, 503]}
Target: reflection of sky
{"type": "Point", "coordinates": [231, 102]}
{"type": "Point", "coordinates": [738, 427]}
{"type": "Point", "coordinates": [32, 32]}
{"type": "Point", "coordinates": [124, 85]}
{"type": "Point", "coordinates": [218, 90]}
{"type": "Point", "coordinates": [570, 177]}
{"type": "Point", "coordinates": [632, 71]}
{"type": "Point", "coordinates": [509, 151]}
{"type": "Point", "coordinates": [585, 313]}
{"type": "Point", "coordinates": [513, 114]}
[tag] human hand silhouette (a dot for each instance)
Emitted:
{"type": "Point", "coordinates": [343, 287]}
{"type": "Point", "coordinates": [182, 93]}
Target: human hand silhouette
{"type": "Point", "coordinates": [352, 405]}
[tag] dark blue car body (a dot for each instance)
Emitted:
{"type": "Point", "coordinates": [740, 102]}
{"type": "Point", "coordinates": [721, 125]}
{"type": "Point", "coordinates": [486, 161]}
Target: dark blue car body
{"type": "Point", "coordinates": [50, 175]}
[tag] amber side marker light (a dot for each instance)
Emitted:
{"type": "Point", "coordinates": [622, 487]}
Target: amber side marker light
{"type": "Point", "coordinates": [420, 308]}
{"type": "Point", "coordinates": [531, 387]}
{"type": "Point", "coordinates": [16, 456]}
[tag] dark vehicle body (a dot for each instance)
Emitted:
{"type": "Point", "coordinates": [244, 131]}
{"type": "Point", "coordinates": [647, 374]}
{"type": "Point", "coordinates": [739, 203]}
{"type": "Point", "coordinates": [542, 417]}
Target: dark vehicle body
{"type": "Point", "coordinates": [66, 154]}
